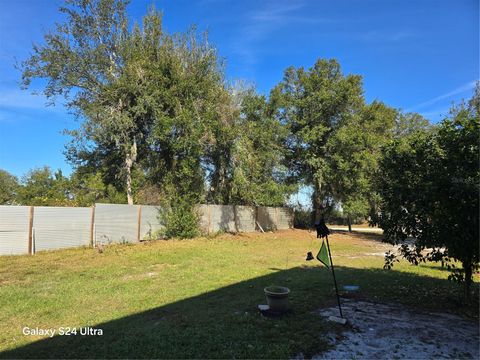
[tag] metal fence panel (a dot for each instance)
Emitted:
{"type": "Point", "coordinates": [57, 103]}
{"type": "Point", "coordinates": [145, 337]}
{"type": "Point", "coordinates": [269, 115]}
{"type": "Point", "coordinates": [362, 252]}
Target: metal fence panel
{"type": "Point", "coordinates": [231, 218]}
{"type": "Point", "coordinates": [204, 215]}
{"type": "Point", "coordinates": [61, 227]}
{"type": "Point", "coordinates": [150, 222]}
{"type": "Point", "coordinates": [267, 218]}
{"type": "Point", "coordinates": [245, 218]}
{"type": "Point", "coordinates": [116, 223]}
{"type": "Point", "coordinates": [284, 218]}
{"type": "Point", "coordinates": [222, 218]}
{"type": "Point", "coordinates": [13, 229]}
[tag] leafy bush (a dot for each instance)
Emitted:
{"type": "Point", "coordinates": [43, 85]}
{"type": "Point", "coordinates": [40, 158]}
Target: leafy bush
{"type": "Point", "coordinates": [180, 218]}
{"type": "Point", "coordinates": [303, 218]}
{"type": "Point", "coordinates": [429, 184]}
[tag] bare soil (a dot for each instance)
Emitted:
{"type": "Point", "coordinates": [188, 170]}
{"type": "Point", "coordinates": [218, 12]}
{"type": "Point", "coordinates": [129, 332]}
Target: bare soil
{"type": "Point", "coordinates": [393, 331]}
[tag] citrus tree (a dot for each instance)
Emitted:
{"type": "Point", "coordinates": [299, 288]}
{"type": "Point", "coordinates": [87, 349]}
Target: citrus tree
{"type": "Point", "coordinates": [429, 185]}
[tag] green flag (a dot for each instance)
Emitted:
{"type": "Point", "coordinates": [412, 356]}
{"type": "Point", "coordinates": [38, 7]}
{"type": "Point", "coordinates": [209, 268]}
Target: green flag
{"type": "Point", "coordinates": [322, 255]}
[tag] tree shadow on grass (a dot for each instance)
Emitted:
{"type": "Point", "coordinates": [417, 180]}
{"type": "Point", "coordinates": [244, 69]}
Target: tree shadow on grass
{"type": "Point", "coordinates": [437, 267]}
{"type": "Point", "coordinates": [225, 323]}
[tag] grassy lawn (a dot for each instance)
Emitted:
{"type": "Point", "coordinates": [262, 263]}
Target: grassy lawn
{"type": "Point", "coordinates": [198, 298]}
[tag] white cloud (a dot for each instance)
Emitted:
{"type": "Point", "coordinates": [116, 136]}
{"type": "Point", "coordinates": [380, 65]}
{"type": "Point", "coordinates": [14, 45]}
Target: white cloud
{"type": "Point", "coordinates": [436, 114]}
{"type": "Point", "coordinates": [274, 15]}
{"type": "Point", "coordinates": [462, 89]}
{"type": "Point", "coordinates": [260, 24]}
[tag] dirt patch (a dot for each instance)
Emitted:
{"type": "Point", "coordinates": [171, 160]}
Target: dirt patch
{"type": "Point", "coordinates": [365, 229]}
{"type": "Point", "coordinates": [379, 331]}
{"type": "Point", "coordinates": [139, 276]}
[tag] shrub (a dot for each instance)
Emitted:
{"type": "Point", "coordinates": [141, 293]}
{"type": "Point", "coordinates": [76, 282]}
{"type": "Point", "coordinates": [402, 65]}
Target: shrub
{"type": "Point", "coordinates": [429, 184]}
{"type": "Point", "coordinates": [303, 218]}
{"type": "Point", "coordinates": [180, 218]}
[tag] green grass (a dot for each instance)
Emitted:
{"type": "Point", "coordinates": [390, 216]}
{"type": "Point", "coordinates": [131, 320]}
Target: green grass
{"type": "Point", "coordinates": [198, 298]}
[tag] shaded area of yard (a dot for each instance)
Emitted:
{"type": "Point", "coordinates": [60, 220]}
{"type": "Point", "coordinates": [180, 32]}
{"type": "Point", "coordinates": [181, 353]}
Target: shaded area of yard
{"type": "Point", "coordinates": [198, 298]}
{"type": "Point", "coordinates": [389, 330]}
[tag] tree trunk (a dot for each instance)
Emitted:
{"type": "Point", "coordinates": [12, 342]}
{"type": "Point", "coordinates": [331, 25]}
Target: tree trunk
{"type": "Point", "coordinates": [129, 182]}
{"type": "Point", "coordinates": [349, 221]}
{"type": "Point", "coordinates": [317, 202]}
{"type": "Point", "coordinates": [130, 158]}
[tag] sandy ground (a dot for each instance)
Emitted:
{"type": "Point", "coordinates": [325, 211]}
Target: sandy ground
{"type": "Point", "coordinates": [356, 228]}
{"type": "Point", "coordinates": [392, 331]}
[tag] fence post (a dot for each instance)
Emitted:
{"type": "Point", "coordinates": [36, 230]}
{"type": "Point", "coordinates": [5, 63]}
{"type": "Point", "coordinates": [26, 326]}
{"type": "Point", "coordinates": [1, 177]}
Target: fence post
{"type": "Point", "coordinates": [92, 224]}
{"type": "Point", "coordinates": [30, 231]}
{"type": "Point", "coordinates": [139, 221]}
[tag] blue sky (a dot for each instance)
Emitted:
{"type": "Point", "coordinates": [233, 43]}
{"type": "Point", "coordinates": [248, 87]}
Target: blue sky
{"type": "Point", "coordinates": [416, 55]}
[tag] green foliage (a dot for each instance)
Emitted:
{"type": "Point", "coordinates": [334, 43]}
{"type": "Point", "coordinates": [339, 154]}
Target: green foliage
{"type": "Point", "coordinates": [334, 140]}
{"type": "Point", "coordinates": [157, 104]}
{"type": "Point", "coordinates": [314, 104]}
{"type": "Point", "coordinates": [409, 123]}
{"type": "Point", "coordinates": [259, 176]}
{"type": "Point", "coordinates": [154, 235]}
{"type": "Point", "coordinates": [390, 259]}
{"type": "Point", "coordinates": [355, 151]}
{"type": "Point", "coordinates": [429, 184]}
{"type": "Point", "coordinates": [148, 100]}
{"type": "Point", "coordinates": [8, 188]}
{"type": "Point", "coordinates": [41, 187]}
{"type": "Point", "coordinates": [87, 60]}
{"type": "Point", "coordinates": [87, 189]}
{"type": "Point", "coordinates": [148, 194]}
{"type": "Point", "coordinates": [187, 85]}
{"type": "Point", "coordinates": [180, 218]}
{"type": "Point", "coordinates": [158, 118]}
{"type": "Point", "coordinates": [245, 155]}
{"type": "Point", "coordinates": [303, 218]}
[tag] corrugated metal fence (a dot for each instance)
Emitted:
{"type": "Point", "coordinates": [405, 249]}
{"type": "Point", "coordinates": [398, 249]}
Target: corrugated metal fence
{"type": "Point", "coordinates": [60, 227]}
{"type": "Point", "coordinates": [27, 229]}
{"type": "Point", "coordinates": [14, 229]}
